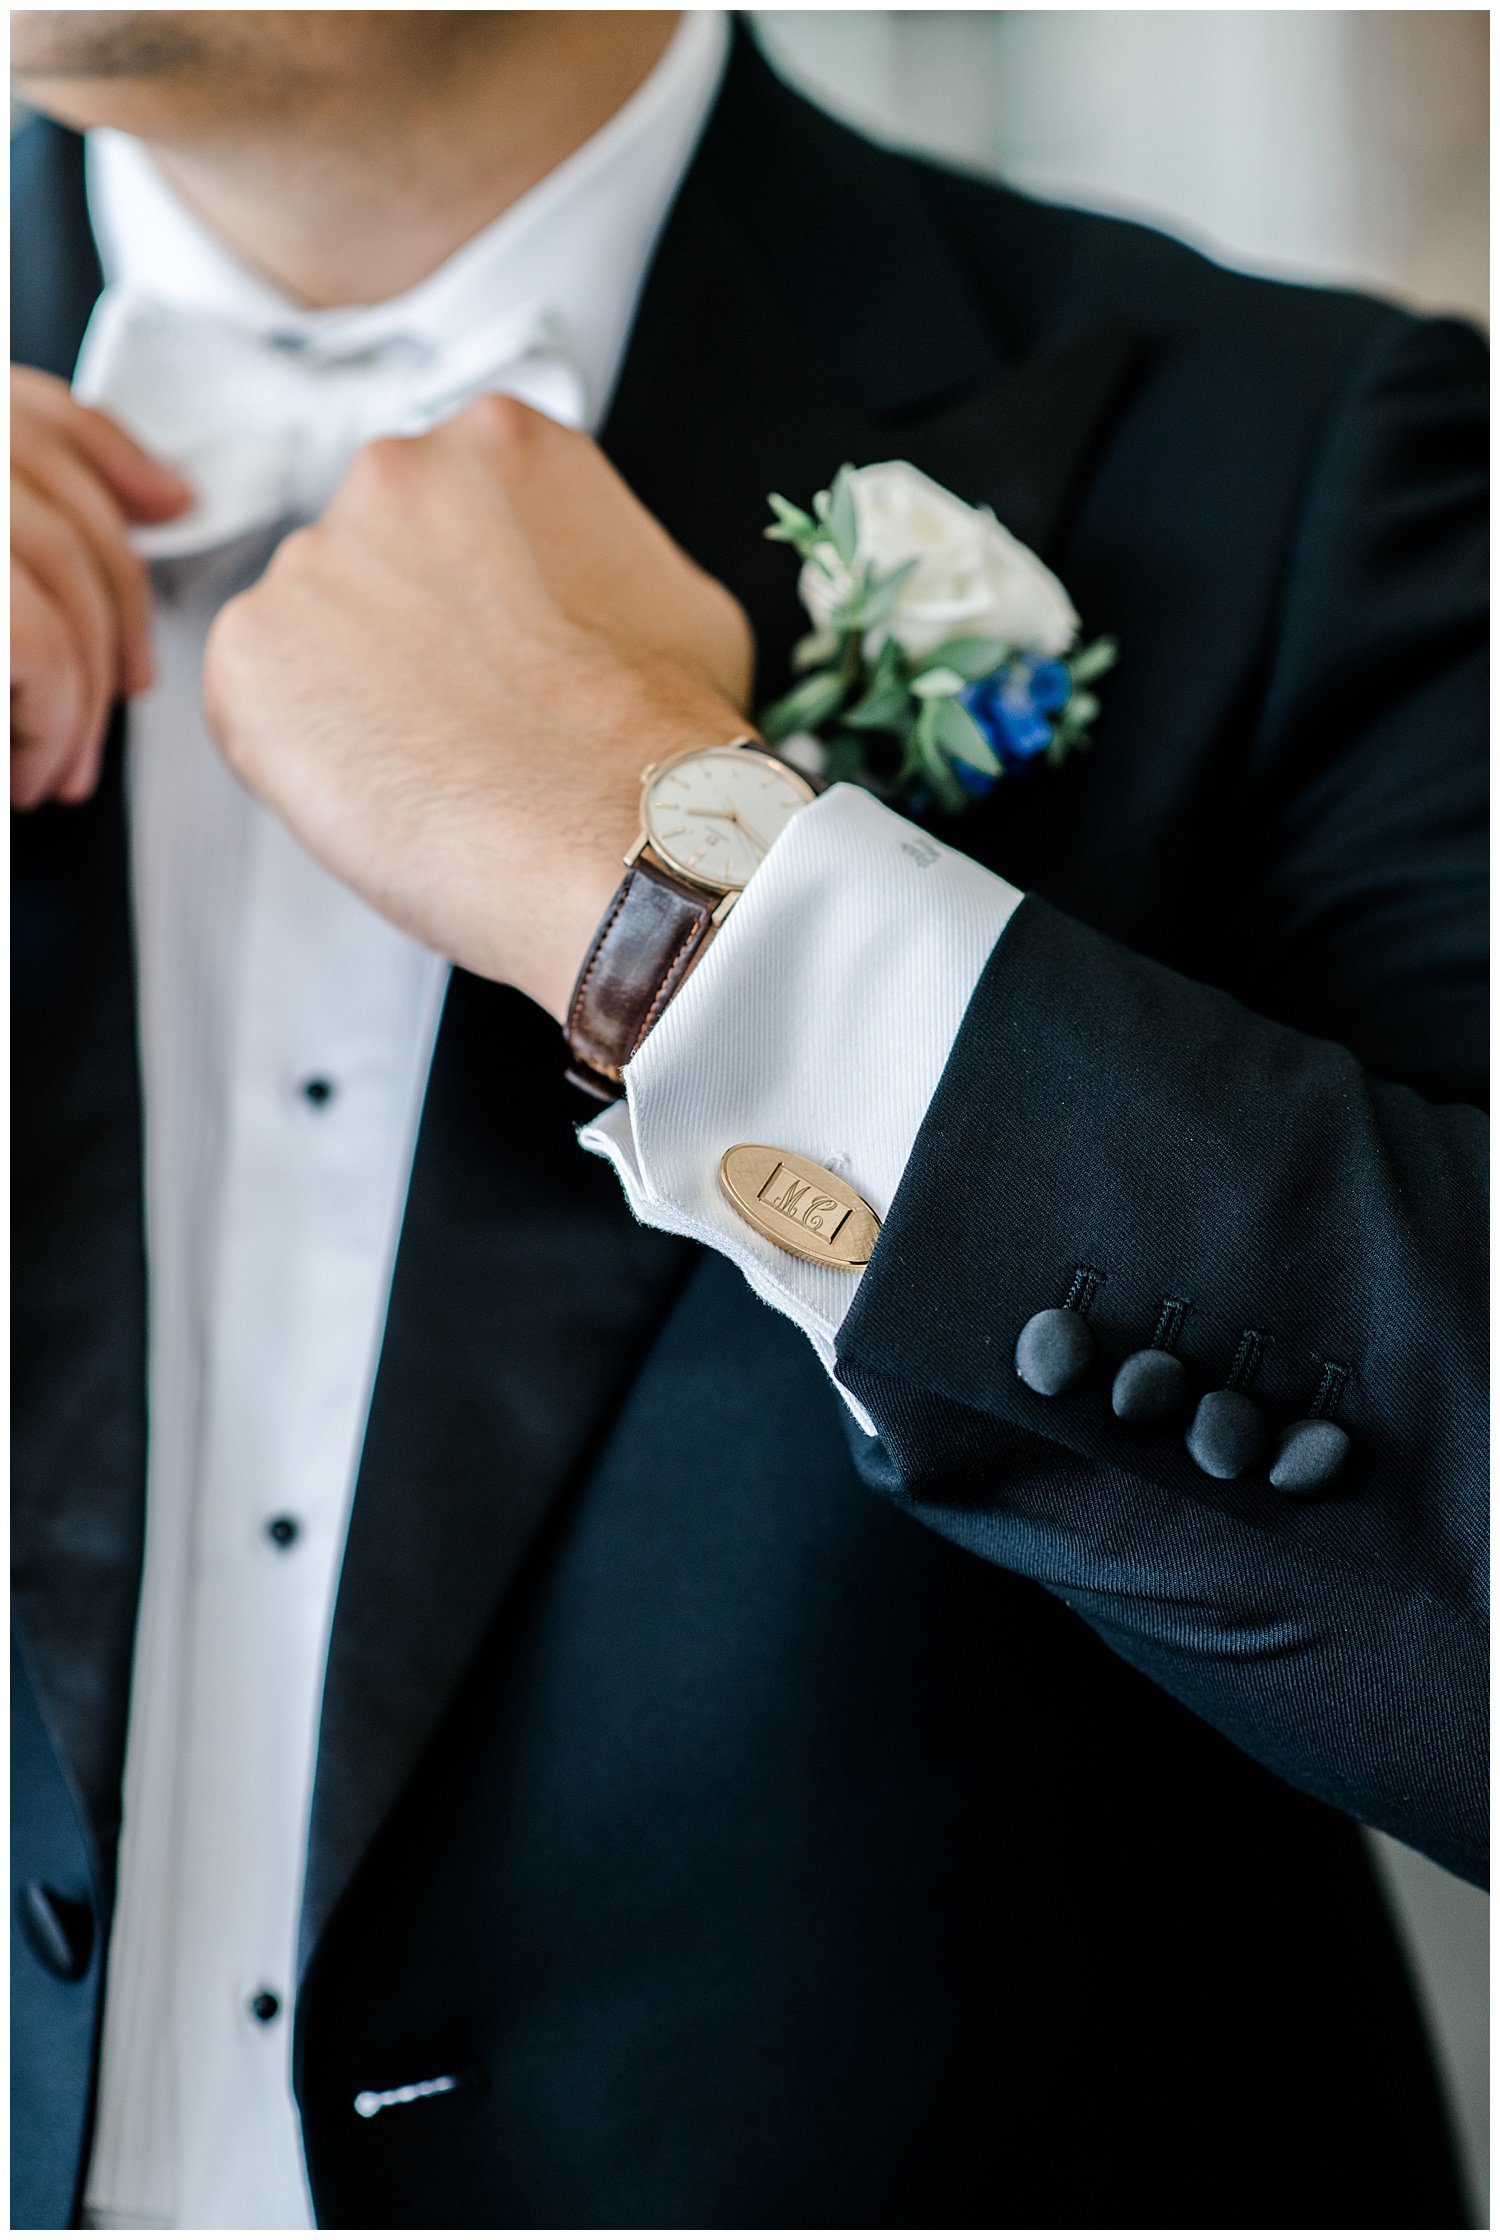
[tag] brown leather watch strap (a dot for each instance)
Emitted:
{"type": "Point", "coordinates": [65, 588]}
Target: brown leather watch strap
{"type": "Point", "coordinates": [653, 932]}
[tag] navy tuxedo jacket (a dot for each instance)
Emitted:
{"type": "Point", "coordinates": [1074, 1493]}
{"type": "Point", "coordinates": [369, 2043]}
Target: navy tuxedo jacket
{"type": "Point", "coordinates": [768, 1825]}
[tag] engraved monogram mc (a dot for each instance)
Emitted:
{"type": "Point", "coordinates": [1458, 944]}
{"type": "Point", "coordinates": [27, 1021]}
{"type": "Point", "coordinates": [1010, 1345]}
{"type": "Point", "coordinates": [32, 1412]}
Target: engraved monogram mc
{"type": "Point", "coordinates": [803, 1202]}
{"type": "Point", "coordinates": [798, 1206]}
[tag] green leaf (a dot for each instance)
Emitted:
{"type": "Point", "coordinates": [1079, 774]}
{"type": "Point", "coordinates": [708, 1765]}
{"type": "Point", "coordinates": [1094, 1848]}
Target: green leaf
{"type": "Point", "coordinates": [883, 592]}
{"type": "Point", "coordinates": [911, 761]}
{"type": "Point", "coordinates": [812, 651]}
{"type": "Point", "coordinates": [849, 615]}
{"type": "Point", "coordinates": [845, 764]}
{"type": "Point", "coordinates": [792, 526]}
{"type": "Point", "coordinates": [1064, 743]}
{"type": "Point", "coordinates": [971, 657]}
{"type": "Point", "coordinates": [1092, 661]}
{"type": "Point", "coordinates": [1069, 737]}
{"type": "Point", "coordinates": [881, 709]}
{"type": "Point", "coordinates": [843, 522]}
{"type": "Point", "coordinates": [885, 703]}
{"type": "Point", "coordinates": [936, 684]}
{"type": "Point", "coordinates": [1081, 710]}
{"type": "Point", "coordinates": [788, 516]}
{"type": "Point", "coordinates": [806, 706]}
{"type": "Point", "coordinates": [932, 761]}
{"type": "Point", "coordinates": [959, 735]}
{"type": "Point", "coordinates": [890, 665]}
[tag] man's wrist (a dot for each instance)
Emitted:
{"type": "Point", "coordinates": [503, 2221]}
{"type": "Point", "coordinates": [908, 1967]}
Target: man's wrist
{"type": "Point", "coordinates": [585, 881]}
{"type": "Point", "coordinates": [708, 814]}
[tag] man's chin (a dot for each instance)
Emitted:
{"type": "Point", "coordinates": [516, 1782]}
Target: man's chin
{"type": "Point", "coordinates": [67, 44]}
{"type": "Point", "coordinates": [144, 71]}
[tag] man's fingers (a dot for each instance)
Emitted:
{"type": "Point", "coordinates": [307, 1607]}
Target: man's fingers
{"type": "Point", "coordinates": [510, 439]}
{"type": "Point", "coordinates": [146, 490]}
{"type": "Point", "coordinates": [48, 694]}
{"type": "Point", "coordinates": [60, 559]}
{"type": "Point", "coordinates": [80, 779]}
{"type": "Point", "coordinates": [56, 473]}
{"type": "Point", "coordinates": [64, 563]}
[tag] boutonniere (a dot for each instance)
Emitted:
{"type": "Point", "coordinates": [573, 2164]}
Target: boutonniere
{"type": "Point", "coordinates": [944, 654]}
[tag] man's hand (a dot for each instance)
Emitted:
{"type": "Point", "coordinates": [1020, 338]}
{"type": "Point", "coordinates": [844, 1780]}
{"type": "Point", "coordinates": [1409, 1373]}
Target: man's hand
{"type": "Point", "coordinates": [449, 686]}
{"type": "Point", "coordinates": [80, 630]}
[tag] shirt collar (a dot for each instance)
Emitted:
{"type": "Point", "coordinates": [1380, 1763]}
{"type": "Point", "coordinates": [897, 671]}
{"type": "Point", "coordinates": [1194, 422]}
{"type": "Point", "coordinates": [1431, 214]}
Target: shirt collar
{"type": "Point", "coordinates": [580, 240]}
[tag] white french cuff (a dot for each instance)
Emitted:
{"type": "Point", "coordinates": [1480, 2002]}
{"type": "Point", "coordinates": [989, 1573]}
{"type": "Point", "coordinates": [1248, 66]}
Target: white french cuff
{"type": "Point", "coordinates": [819, 1021]}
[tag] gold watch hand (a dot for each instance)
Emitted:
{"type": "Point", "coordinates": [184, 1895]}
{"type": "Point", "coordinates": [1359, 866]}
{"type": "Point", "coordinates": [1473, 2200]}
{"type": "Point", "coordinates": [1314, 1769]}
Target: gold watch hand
{"type": "Point", "coordinates": [727, 816]}
{"type": "Point", "coordinates": [748, 830]}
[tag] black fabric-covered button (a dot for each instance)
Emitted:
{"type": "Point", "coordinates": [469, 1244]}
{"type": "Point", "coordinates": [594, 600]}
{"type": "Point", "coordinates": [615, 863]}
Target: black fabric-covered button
{"type": "Point", "coordinates": [1228, 1434]}
{"type": "Point", "coordinates": [283, 1530]}
{"type": "Point", "coordinates": [1309, 1456]}
{"type": "Point", "coordinates": [59, 1930]}
{"type": "Point", "coordinates": [1149, 1387]}
{"type": "Point", "coordinates": [1054, 1351]}
{"type": "Point", "coordinates": [318, 1091]}
{"type": "Point", "coordinates": [265, 2006]}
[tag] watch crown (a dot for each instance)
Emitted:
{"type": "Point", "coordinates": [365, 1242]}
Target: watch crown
{"type": "Point", "coordinates": [649, 772]}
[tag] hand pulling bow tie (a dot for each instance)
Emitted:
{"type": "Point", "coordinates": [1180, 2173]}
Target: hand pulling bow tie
{"type": "Point", "coordinates": [263, 427]}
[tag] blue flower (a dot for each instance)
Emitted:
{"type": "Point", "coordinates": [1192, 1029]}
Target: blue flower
{"type": "Point", "coordinates": [1011, 707]}
{"type": "Point", "coordinates": [1051, 686]}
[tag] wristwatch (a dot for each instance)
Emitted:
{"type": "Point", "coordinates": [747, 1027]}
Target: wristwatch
{"type": "Point", "coordinates": [708, 816]}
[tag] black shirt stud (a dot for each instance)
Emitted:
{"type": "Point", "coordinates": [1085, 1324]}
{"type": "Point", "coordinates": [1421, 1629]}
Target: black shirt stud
{"type": "Point", "coordinates": [59, 1930]}
{"type": "Point", "coordinates": [1056, 1348]}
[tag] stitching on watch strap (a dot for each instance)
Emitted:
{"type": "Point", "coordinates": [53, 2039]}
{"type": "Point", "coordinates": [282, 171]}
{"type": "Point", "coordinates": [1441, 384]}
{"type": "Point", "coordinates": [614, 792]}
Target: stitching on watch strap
{"type": "Point", "coordinates": [696, 934]}
{"type": "Point", "coordinates": [598, 950]}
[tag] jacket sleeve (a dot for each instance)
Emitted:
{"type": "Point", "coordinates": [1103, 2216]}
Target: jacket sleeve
{"type": "Point", "coordinates": [1300, 1165]}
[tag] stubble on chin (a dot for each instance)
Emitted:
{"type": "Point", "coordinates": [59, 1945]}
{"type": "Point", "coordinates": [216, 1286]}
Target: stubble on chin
{"type": "Point", "coordinates": [63, 43]}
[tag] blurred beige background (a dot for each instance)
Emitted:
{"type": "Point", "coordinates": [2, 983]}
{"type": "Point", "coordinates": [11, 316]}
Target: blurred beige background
{"type": "Point", "coordinates": [1346, 146]}
{"type": "Point", "coordinates": [1349, 145]}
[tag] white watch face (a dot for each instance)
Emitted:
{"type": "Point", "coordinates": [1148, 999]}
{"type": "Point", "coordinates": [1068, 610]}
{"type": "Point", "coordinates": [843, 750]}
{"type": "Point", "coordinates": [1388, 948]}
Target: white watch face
{"type": "Point", "coordinates": [713, 814]}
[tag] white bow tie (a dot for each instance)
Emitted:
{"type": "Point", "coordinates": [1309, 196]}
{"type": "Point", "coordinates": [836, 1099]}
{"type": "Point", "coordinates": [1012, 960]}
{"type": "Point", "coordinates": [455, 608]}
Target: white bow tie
{"type": "Point", "coordinates": [263, 427]}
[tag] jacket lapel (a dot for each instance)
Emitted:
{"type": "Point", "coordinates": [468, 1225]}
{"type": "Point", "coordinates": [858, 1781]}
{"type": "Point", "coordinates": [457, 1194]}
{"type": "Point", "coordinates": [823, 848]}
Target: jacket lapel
{"type": "Point", "coordinates": [55, 276]}
{"type": "Point", "coordinates": [805, 307]}
{"type": "Point", "coordinates": [79, 1305]}
{"type": "Point", "coordinates": [523, 1298]}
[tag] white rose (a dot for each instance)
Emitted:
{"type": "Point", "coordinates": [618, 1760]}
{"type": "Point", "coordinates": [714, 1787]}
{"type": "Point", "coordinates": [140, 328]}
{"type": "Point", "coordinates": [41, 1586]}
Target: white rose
{"type": "Point", "coordinates": [973, 579]}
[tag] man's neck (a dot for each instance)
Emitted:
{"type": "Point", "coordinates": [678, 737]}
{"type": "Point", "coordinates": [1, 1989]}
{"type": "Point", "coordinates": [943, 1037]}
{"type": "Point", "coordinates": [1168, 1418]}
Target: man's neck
{"type": "Point", "coordinates": [379, 195]}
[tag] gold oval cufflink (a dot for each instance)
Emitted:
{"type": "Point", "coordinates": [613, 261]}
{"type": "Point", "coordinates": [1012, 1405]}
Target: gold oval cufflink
{"type": "Point", "coordinates": [793, 1202]}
